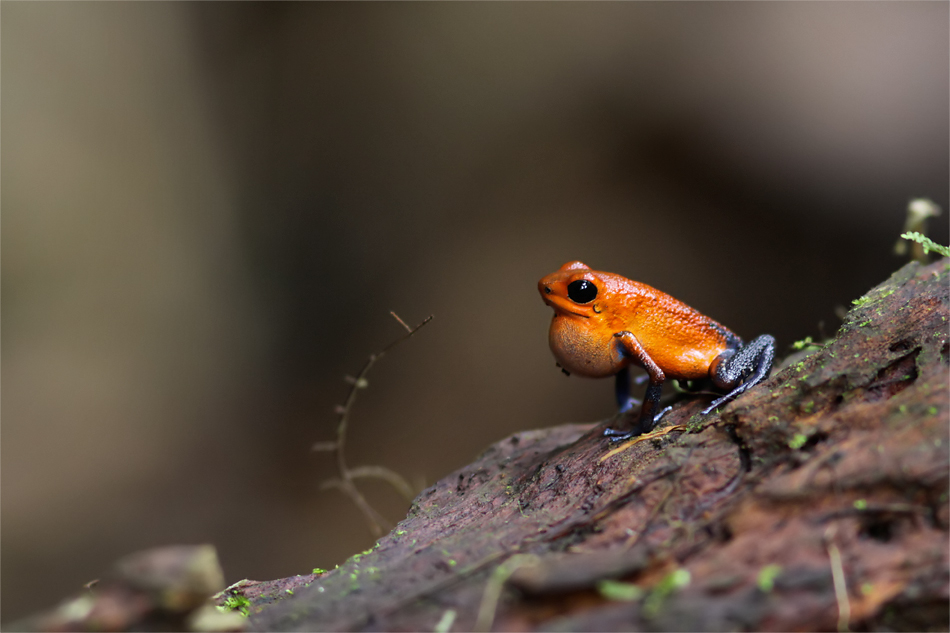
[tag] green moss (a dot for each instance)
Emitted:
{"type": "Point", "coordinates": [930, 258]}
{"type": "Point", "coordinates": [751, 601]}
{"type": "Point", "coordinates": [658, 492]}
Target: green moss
{"type": "Point", "coordinates": [860, 504]}
{"type": "Point", "coordinates": [797, 441]}
{"type": "Point", "coordinates": [695, 424]}
{"type": "Point", "coordinates": [236, 602]}
{"type": "Point", "coordinates": [767, 576]}
{"type": "Point", "coordinates": [805, 342]}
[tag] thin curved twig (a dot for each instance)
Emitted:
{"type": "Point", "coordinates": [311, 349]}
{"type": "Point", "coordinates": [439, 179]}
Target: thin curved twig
{"type": "Point", "coordinates": [346, 474]}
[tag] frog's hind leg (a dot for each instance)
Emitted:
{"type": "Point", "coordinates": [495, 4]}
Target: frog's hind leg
{"type": "Point", "coordinates": [647, 418]}
{"type": "Point", "coordinates": [742, 368]}
{"type": "Point", "coordinates": [625, 401]}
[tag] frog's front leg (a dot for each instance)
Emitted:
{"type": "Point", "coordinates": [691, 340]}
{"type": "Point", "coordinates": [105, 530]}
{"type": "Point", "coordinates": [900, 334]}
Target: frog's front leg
{"type": "Point", "coordinates": [648, 417]}
{"type": "Point", "coordinates": [739, 369]}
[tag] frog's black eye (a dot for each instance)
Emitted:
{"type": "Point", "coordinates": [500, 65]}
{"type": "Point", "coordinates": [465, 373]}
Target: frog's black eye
{"type": "Point", "coordinates": [581, 291]}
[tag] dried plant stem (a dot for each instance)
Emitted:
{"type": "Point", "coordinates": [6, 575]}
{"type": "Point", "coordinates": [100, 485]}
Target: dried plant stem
{"type": "Point", "coordinates": [346, 474]}
{"type": "Point", "coordinates": [495, 585]}
{"type": "Point", "coordinates": [837, 575]}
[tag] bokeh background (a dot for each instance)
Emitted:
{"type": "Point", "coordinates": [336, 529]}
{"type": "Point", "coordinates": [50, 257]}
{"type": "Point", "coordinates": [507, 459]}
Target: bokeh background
{"type": "Point", "coordinates": [209, 209]}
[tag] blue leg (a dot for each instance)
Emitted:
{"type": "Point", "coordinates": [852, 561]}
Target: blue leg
{"type": "Point", "coordinates": [743, 368]}
{"type": "Point", "coordinates": [625, 401]}
{"type": "Point", "coordinates": [622, 390]}
{"type": "Point", "coordinates": [647, 419]}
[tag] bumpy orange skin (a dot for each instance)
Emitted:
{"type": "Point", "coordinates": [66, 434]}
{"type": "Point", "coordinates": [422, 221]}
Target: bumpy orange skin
{"type": "Point", "coordinates": [681, 341]}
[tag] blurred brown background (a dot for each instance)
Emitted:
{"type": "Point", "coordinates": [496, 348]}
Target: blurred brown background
{"type": "Point", "coordinates": [209, 209]}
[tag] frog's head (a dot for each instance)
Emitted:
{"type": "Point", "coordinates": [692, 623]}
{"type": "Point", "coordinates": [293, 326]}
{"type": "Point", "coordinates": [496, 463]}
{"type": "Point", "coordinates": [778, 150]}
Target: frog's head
{"type": "Point", "coordinates": [574, 291]}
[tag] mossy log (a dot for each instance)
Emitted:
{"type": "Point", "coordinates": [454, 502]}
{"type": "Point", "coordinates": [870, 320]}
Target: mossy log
{"type": "Point", "coordinates": [816, 501]}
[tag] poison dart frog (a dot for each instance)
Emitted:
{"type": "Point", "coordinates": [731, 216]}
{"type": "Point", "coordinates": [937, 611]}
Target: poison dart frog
{"type": "Point", "coordinates": [603, 323]}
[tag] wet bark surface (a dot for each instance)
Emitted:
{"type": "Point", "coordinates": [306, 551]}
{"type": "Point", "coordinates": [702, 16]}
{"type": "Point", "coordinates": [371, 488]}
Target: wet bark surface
{"type": "Point", "coordinates": [817, 500]}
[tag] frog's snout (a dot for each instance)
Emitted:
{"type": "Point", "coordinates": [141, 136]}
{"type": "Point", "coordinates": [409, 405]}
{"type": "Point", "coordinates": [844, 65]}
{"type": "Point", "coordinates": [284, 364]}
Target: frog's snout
{"type": "Point", "coordinates": [545, 289]}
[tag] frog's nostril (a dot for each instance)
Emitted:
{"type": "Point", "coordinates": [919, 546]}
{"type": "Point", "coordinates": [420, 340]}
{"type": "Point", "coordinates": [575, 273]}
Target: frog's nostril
{"type": "Point", "coordinates": [547, 290]}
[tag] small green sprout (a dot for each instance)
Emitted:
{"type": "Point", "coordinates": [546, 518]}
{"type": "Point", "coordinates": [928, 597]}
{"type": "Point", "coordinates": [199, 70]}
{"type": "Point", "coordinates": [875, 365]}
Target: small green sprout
{"type": "Point", "coordinates": [860, 504]}
{"type": "Point", "coordinates": [767, 576]}
{"type": "Point", "coordinates": [673, 581]}
{"type": "Point", "coordinates": [927, 243]}
{"type": "Point", "coordinates": [319, 570]}
{"type": "Point", "coordinates": [619, 591]}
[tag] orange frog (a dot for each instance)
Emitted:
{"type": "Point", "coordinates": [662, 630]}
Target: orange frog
{"type": "Point", "coordinates": [603, 323]}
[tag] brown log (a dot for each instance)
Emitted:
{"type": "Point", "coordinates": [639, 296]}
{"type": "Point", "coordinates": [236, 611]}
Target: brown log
{"type": "Point", "coordinates": [816, 501]}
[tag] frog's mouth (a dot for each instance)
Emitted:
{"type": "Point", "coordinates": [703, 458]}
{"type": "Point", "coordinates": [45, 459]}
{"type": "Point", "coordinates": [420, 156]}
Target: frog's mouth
{"type": "Point", "coordinates": [563, 307]}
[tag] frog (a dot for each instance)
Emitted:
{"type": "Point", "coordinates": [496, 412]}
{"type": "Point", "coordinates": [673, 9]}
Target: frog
{"type": "Point", "coordinates": [605, 323]}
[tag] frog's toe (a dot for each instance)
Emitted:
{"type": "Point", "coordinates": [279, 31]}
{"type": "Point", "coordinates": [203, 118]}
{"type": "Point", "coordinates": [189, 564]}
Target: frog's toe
{"type": "Point", "coordinates": [616, 435]}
